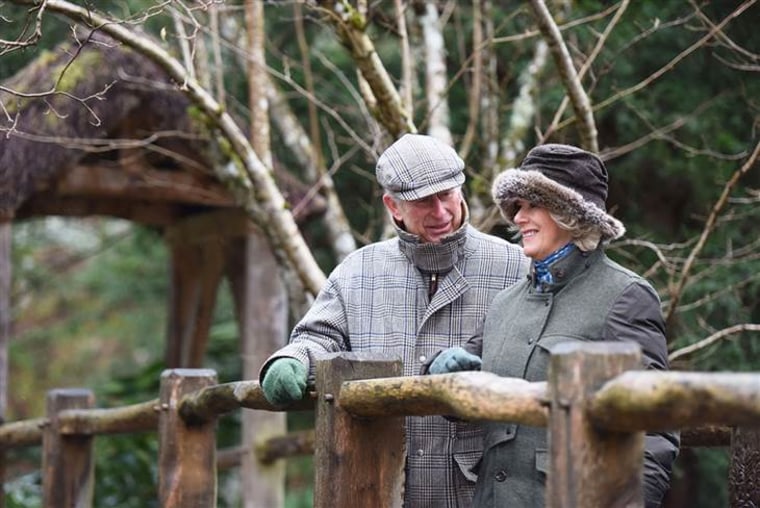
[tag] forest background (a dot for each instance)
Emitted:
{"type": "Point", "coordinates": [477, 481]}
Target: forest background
{"type": "Point", "coordinates": [667, 92]}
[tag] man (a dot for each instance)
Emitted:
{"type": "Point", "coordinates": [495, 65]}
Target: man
{"type": "Point", "coordinates": [410, 296]}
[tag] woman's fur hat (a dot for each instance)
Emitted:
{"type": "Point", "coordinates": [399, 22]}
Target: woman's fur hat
{"type": "Point", "coordinates": [563, 179]}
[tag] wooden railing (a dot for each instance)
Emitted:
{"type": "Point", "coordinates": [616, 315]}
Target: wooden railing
{"type": "Point", "coordinates": [361, 398]}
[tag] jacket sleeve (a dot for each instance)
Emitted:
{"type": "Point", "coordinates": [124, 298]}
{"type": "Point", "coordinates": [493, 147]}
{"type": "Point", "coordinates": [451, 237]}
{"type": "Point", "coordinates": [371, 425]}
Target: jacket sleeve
{"type": "Point", "coordinates": [636, 316]}
{"type": "Point", "coordinates": [322, 330]}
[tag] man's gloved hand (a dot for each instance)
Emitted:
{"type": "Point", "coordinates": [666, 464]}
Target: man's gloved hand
{"type": "Point", "coordinates": [285, 381]}
{"type": "Point", "coordinates": [454, 359]}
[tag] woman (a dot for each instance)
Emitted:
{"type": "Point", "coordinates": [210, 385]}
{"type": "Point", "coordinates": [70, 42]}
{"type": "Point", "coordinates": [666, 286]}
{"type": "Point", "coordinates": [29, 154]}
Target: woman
{"type": "Point", "coordinates": [556, 200]}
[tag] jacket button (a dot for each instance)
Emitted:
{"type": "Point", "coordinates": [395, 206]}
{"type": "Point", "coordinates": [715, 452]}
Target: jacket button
{"type": "Point", "coordinates": [500, 476]}
{"type": "Point", "coordinates": [420, 452]}
{"type": "Point", "coordinates": [423, 358]}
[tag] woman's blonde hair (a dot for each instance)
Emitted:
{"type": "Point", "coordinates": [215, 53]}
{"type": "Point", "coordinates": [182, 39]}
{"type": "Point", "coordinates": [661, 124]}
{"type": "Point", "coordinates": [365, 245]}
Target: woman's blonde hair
{"type": "Point", "coordinates": [585, 236]}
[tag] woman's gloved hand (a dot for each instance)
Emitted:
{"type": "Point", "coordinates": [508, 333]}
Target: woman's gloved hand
{"type": "Point", "coordinates": [454, 359]}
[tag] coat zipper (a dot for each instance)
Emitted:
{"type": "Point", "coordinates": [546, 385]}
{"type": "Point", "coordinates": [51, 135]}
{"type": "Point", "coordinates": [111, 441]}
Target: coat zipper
{"type": "Point", "coordinates": [433, 285]}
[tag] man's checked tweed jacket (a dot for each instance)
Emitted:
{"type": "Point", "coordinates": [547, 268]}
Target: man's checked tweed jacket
{"type": "Point", "coordinates": [378, 299]}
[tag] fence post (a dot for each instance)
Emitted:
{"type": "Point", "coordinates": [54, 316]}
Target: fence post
{"type": "Point", "coordinates": [743, 485]}
{"type": "Point", "coordinates": [358, 462]}
{"type": "Point", "coordinates": [6, 240]}
{"type": "Point", "coordinates": [186, 453]}
{"type": "Point", "coordinates": [590, 468]}
{"type": "Point", "coordinates": [67, 462]}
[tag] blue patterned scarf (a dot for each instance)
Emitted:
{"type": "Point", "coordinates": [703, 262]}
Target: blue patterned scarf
{"type": "Point", "coordinates": [543, 274]}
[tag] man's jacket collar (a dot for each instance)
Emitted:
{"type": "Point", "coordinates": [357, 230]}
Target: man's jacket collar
{"type": "Point", "coordinates": [435, 257]}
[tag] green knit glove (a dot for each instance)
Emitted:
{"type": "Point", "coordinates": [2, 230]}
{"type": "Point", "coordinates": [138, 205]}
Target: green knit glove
{"type": "Point", "coordinates": [285, 381]}
{"type": "Point", "coordinates": [454, 359]}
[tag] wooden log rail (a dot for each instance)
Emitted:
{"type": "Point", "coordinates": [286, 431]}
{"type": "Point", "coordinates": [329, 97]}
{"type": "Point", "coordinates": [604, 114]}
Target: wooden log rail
{"type": "Point", "coordinates": [634, 400]}
{"type": "Point", "coordinates": [467, 395]}
{"type": "Point", "coordinates": [212, 401]}
{"type": "Point", "coordinates": [361, 398]}
{"type": "Point", "coordinates": [650, 400]}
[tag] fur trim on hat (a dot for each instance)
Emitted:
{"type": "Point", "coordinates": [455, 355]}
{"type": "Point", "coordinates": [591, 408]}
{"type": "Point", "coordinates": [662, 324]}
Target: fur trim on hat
{"type": "Point", "coordinates": [533, 186]}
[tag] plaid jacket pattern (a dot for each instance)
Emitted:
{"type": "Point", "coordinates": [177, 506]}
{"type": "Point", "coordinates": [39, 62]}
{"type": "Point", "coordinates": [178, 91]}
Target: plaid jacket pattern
{"type": "Point", "coordinates": [377, 299]}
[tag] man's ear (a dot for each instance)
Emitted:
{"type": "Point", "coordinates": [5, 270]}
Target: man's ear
{"type": "Point", "coordinates": [392, 207]}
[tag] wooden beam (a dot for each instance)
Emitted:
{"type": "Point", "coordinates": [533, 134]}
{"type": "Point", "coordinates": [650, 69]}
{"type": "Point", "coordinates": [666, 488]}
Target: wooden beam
{"type": "Point", "coordinates": [186, 453]}
{"type": "Point", "coordinates": [145, 183]}
{"type": "Point", "coordinates": [357, 461]}
{"type": "Point", "coordinates": [468, 395]}
{"type": "Point", "coordinates": [68, 470]}
{"type": "Point", "coordinates": [589, 467]}
{"type": "Point", "coordinates": [6, 239]}
{"type": "Point", "coordinates": [196, 272]}
{"type": "Point", "coordinates": [119, 420]}
{"type": "Point", "coordinates": [261, 304]}
{"type": "Point", "coordinates": [657, 400]}
{"type": "Point", "coordinates": [211, 226]}
{"type": "Point", "coordinates": [6, 266]}
{"type": "Point", "coordinates": [743, 485]}
{"type": "Point", "coordinates": [151, 214]}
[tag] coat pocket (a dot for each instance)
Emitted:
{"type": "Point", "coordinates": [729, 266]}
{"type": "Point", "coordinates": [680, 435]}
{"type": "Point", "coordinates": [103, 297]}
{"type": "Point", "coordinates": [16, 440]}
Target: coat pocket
{"type": "Point", "coordinates": [542, 460]}
{"type": "Point", "coordinates": [468, 462]}
{"type": "Point", "coordinates": [499, 433]}
{"type": "Point", "coordinates": [538, 365]}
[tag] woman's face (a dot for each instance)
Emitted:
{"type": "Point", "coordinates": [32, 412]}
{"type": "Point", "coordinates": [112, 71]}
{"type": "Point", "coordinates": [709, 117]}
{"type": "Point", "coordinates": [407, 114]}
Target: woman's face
{"type": "Point", "coordinates": [540, 234]}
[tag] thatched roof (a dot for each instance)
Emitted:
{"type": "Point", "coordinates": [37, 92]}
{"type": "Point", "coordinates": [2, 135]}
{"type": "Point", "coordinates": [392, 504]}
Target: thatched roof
{"type": "Point", "coordinates": [117, 138]}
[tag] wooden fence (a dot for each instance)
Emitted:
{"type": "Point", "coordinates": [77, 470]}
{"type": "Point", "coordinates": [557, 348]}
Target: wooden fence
{"type": "Point", "coordinates": [595, 406]}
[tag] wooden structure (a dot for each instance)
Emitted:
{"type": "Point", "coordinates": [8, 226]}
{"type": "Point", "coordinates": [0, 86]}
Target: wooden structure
{"type": "Point", "coordinates": [131, 147]}
{"type": "Point", "coordinates": [596, 425]}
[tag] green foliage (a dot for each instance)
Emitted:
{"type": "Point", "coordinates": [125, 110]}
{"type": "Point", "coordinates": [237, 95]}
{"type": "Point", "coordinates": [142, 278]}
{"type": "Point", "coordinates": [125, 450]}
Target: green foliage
{"type": "Point", "coordinates": [299, 491]}
{"type": "Point", "coordinates": [87, 294]}
{"type": "Point", "coordinates": [24, 491]}
{"type": "Point", "coordinates": [13, 27]}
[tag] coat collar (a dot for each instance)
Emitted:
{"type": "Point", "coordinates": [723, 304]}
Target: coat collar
{"type": "Point", "coordinates": [435, 257]}
{"type": "Point", "coordinates": [567, 268]}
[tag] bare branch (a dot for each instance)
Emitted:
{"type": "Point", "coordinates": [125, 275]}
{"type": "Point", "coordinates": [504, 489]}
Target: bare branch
{"type": "Point", "coordinates": [662, 133]}
{"type": "Point", "coordinates": [25, 39]}
{"type": "Point", "coordinates": [562, 27]}
{"type": "Point", "coordinates": [670, 65]}
{"type": "Point", "coordinates": [587, 63]}
{"type": "Point", "coordinates": [474, 95]}
{"type": "Point", "coordinates": [723, 37]}
{"type": "Point", "coordinates": [349, 25]}
{"type": "Point", "coordinates": [407, 64]}
{"type": "Point", "coordinates": [676, 289]}
{"type": "Point", "coordinates": [711, 297]}
{"type": "Point", "coordinates": [715, 337]}
{"type": "Point", "coordinates": [578, 97]}
{"type": "Point", "coordinates": [523, 109]}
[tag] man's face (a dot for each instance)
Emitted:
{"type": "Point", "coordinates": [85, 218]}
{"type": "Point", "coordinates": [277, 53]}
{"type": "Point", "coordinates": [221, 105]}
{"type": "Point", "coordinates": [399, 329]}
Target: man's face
{"type": "Point", "coordinates": [431, 218]}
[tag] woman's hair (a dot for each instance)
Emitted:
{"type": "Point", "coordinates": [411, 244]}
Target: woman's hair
{"type": "Point", "coordinates": [585, 236]}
